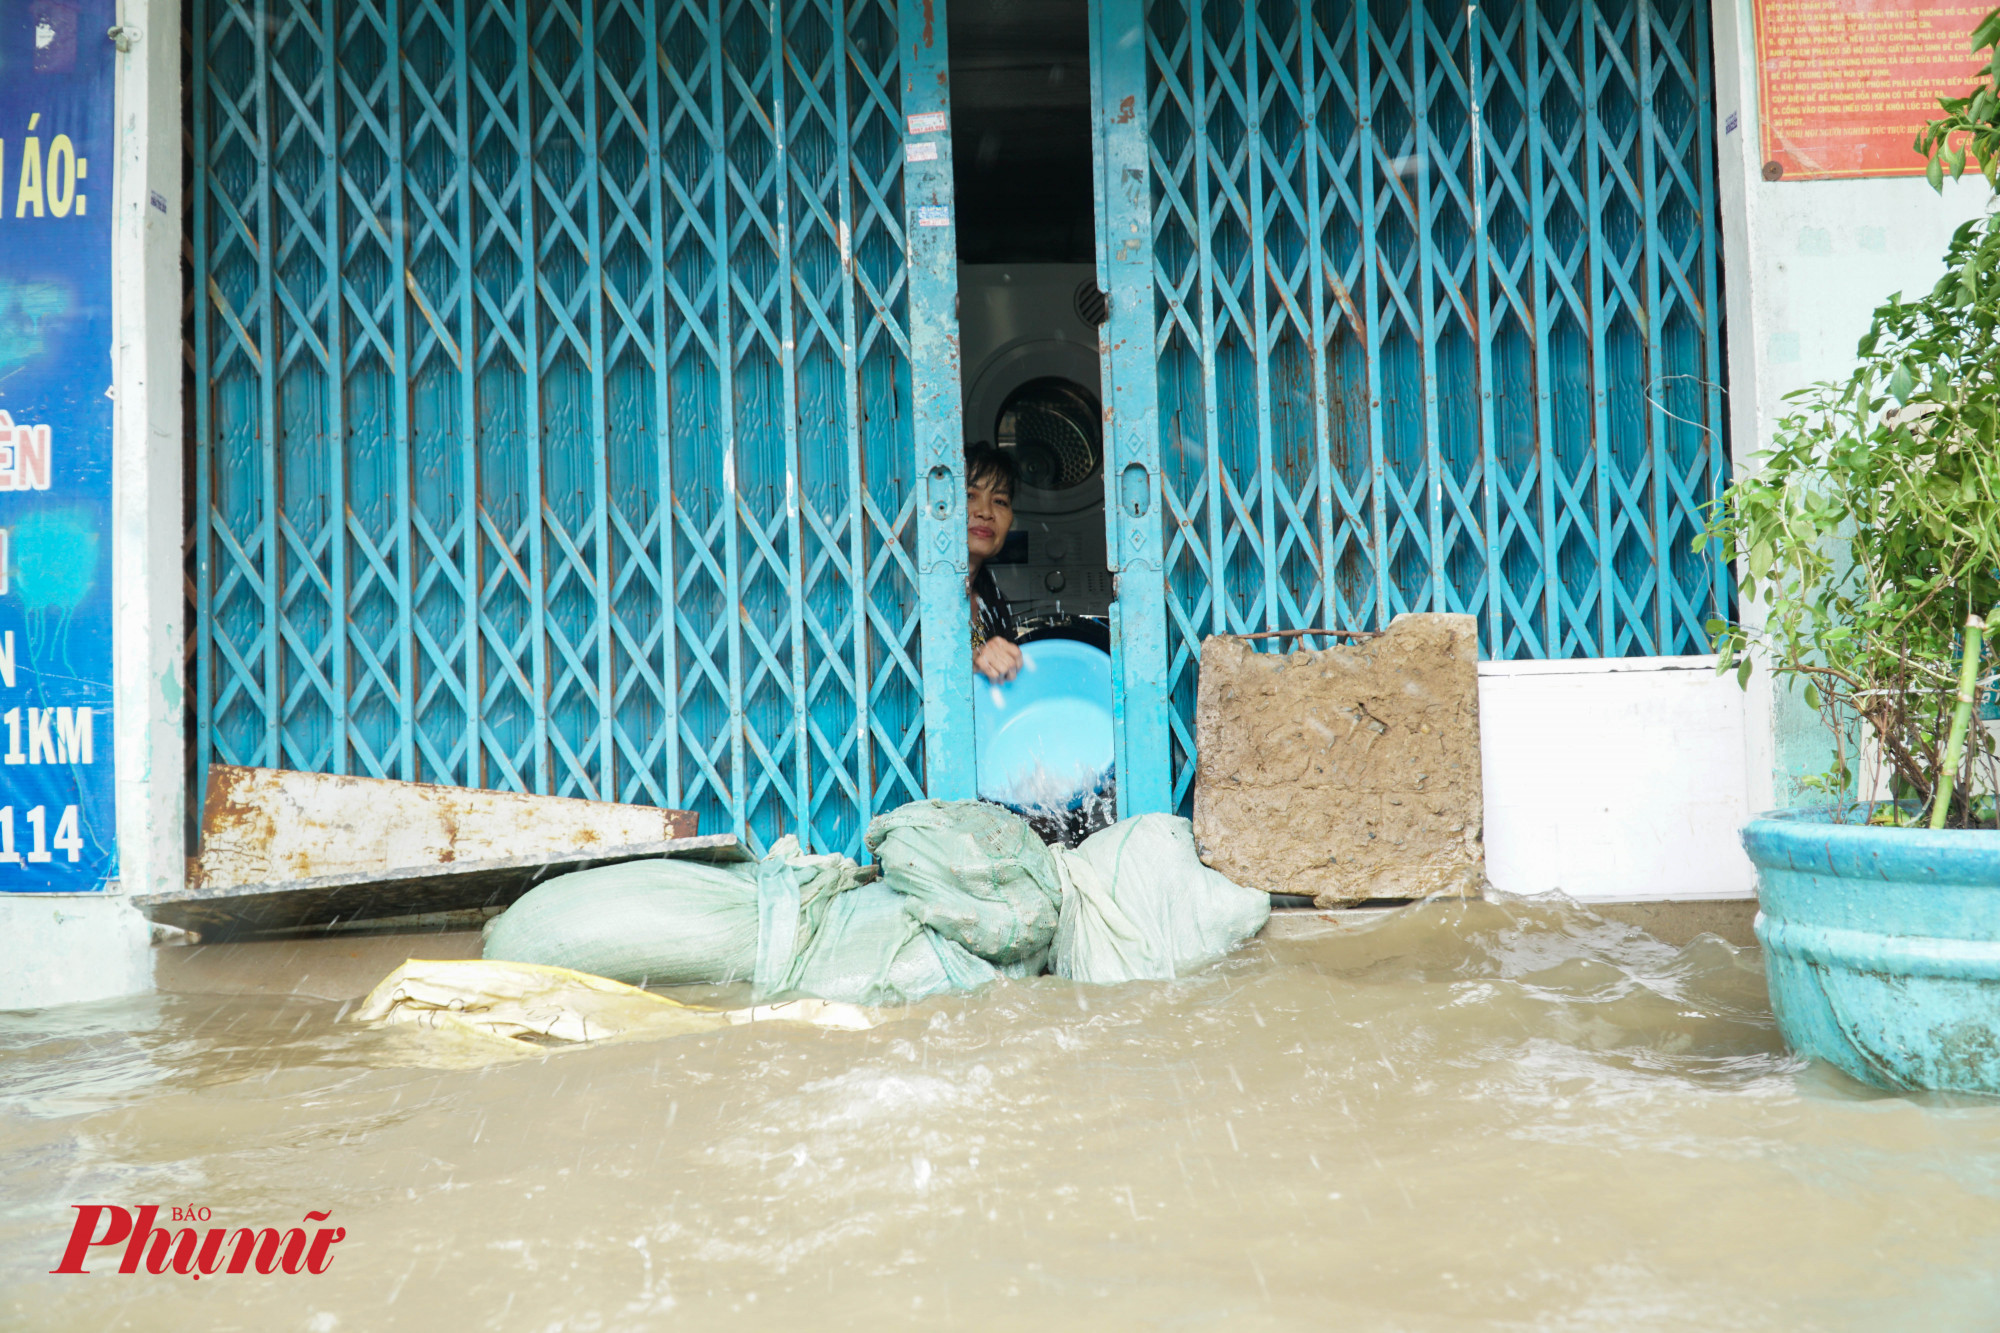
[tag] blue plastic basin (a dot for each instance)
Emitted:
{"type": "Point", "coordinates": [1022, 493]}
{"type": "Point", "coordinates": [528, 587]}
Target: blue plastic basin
{"type": "Point", "coordinates": [1044, 737]}
{"type": "Point", "coordinates": [1882, 946]}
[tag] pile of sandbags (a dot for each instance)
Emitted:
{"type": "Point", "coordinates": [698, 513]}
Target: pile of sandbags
{"type": "Point", "coordinates": [966, 892]}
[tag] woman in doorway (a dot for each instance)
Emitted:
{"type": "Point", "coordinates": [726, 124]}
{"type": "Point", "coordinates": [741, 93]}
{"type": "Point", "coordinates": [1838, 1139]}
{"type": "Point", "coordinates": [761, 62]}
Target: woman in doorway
{"type": "Point", "coordinates": [990, 477]}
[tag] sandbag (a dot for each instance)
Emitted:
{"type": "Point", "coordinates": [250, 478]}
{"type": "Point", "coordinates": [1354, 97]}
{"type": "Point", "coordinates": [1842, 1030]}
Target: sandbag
{"type": "Point", "coordinates": [660, 922]}
{"type": "Point", "coordinates": [664, 922]}
{"type": "Point", "coordinates": [973, 872]}
{"type": "Point", "coordinates": [869, 948]}
{"type": "Point", "coordinates": [793, 924]}
{"type": "Point", "coordinates": [967, 894]}
{"type": "Point", "coordinates": [1140, 905]}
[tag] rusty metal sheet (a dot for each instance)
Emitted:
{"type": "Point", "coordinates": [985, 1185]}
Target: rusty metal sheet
{"type": "Point", "coordinates": [237, 910]}
{"type": "Point", "coordinates": [268, 825]}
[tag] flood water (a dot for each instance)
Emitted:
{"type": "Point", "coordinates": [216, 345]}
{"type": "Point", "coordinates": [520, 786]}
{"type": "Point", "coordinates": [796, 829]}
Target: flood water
{"type": "Point", "coordinates": [1463, 1116]}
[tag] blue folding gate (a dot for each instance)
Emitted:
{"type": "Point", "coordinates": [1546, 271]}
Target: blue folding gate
{"type": "Point", "coordinates": [566, 372]}
{"type": "Point", "coordinates": [576, 389]}
{"type": "Point", "coordinates": [1414, 307]}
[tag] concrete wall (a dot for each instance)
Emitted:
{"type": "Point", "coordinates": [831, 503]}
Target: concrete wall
{"type": "Point", "coordinates": [1806, 263]}
{"type": "Point", "coordinates": [59, 949]}
{"type": "Point", "coordinates": [150, 630]}
{"type": "Point", "coordinates": [66, 948]}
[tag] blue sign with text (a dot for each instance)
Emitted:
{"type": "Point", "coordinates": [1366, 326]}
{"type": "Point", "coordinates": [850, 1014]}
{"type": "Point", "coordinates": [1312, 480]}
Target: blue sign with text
{"type": "Point", "coordinates": [57, 830]}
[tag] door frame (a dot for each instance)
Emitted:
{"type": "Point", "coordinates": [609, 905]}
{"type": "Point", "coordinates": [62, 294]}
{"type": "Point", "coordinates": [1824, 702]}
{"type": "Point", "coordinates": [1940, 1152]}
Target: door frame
{"type": "Point", "coordinates": [1122, 179]}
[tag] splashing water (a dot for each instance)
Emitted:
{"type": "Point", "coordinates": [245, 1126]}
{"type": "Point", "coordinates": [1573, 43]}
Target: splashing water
{"type": "Point", "coordinates": [1050, 805]}
{"type": "Point", "coordinates": [1454, 1116]}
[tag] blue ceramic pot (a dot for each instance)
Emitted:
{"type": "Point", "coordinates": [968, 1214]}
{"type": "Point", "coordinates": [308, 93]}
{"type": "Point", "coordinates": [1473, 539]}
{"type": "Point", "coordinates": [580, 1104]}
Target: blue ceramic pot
{"type": "Point", "coordinates": [1882, 946]}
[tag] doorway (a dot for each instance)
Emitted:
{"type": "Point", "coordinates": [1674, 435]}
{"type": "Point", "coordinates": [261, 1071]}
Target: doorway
{"type": "Point", "coordinates": [1414, 307]}
{"type": "Point", "coordinates": [1028, 300]}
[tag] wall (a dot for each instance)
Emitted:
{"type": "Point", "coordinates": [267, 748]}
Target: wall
{"type": "Point", "coordinates": [66, 948]}
{"type": "Point", "coordinates": [1806, 264]}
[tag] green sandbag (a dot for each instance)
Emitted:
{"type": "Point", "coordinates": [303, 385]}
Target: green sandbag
{"type": "Point", "coordinates": [975, 873]}
{"type": "Point", "coordinates": [1140, 905]}
{"type": "Point", "coordinates": [792, 923]}
{"type": "Point", "coordinates": [867, 948]}
{"type": "Point", "coordinates": [662, 922]}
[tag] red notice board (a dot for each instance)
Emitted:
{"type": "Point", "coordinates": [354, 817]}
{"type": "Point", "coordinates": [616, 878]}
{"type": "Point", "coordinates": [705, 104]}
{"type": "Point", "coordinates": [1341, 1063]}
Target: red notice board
{"type": "Point", "coordinates": [1844, 85]}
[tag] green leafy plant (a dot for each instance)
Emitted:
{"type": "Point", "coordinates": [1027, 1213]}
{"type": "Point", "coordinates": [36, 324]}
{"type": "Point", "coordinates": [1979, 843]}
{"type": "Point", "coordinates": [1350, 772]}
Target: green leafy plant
{"type": "Point", "coordinates": [1970, 126]}
{"type": "Point", "coordinates": [1867, 542]}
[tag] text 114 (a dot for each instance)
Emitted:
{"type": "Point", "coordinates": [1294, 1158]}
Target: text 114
{"type": "Point", "coordinates": [67, 839]}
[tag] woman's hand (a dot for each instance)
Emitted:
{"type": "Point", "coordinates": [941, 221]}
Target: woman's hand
{"type": "Point", "coordinates": [998, 660]}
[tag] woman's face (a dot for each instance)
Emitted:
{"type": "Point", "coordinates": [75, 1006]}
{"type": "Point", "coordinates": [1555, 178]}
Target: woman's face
{"type": "Point", "coordinates": [989, 513]}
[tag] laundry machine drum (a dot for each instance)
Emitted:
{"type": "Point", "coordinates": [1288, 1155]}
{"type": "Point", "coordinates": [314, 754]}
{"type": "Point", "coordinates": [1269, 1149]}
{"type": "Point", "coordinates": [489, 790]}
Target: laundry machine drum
{"type": "Point", "coordinates": [1052, 426]}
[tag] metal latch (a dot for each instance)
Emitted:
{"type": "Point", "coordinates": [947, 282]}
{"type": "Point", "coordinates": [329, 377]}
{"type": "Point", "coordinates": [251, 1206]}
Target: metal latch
{"type": "Point", "coordinates": [940, 489]}
{"type": "Point", "coordinates": [1134, 493]}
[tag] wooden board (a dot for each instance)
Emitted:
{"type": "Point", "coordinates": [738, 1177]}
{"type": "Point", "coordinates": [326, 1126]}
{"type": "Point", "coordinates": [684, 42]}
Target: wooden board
{"type": "Point", "coordinates": [236, 910]}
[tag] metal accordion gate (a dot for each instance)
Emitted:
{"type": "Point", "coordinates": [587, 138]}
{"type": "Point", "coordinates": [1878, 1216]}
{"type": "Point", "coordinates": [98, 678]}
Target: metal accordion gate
{"type": "Point", "coordinates": [1414, 306]}
{"type": "Point", "coordinates": [574, 406]}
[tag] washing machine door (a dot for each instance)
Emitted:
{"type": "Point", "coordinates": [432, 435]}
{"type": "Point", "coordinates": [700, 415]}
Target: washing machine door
{"type": "Point", "coordinates": [1054, 563]}
{"type": "Point", "coordinates": [1052, 425]}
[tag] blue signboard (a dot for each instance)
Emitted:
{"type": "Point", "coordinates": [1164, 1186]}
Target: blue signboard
{"type": "Point", "coordinates": [57, 832]}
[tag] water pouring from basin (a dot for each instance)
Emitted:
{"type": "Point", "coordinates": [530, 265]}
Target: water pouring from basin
{"type": "Point", "coordinates": [1045, 738]}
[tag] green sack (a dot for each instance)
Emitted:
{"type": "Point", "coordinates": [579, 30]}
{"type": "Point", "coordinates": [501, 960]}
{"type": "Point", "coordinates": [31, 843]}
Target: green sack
{"type": "Point", "coordinates": [660, 922]}
{"type": "Point", "coordinates": [664, 922]}
{"type": "Point", "coordinates": [1140, 905]}
{"type": "Point", "coordinates": [1133, 902]}
{"type": "Point", "coordinates": [866, 947]}
{"type": "Point", "coordinates": [973, 872]}
{"type": "Point", "coordinates": [793, 924]}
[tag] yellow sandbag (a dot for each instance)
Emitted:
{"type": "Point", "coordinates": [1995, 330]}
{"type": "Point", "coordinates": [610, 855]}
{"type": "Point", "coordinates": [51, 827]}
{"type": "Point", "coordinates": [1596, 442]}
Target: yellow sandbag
{"type": "Point", "coordinates": [529, 1006]}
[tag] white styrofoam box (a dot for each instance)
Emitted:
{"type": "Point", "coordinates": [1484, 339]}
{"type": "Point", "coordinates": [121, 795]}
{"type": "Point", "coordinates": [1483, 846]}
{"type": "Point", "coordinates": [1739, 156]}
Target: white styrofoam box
{"type": "Point", "coordinates": [1614, 779]}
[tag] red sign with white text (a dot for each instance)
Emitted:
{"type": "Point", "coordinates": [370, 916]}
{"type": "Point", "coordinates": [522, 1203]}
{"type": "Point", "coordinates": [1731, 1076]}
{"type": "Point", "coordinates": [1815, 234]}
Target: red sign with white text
{"type": "Point", "coordinates": [1844, 85]}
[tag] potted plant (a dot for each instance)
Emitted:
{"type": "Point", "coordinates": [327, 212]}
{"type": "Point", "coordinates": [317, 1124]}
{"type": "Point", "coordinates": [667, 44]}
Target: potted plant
{"type": "Point", "coordinates": [1867, 546]}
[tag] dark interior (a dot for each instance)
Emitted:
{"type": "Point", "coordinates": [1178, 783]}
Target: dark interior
{"type": "Point", "coordinates": [1020, 99]}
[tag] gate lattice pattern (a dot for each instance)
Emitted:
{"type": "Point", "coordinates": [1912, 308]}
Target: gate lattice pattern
{"type": "Point", "coordinates": [513, 324]}
{"type": "Point", "coordinates": [1436, 306]}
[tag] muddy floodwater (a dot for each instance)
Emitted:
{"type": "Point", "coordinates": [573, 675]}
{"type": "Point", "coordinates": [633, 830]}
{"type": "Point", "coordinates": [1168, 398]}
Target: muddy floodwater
{"type": "Point", "coordinates": [1459, 1117]}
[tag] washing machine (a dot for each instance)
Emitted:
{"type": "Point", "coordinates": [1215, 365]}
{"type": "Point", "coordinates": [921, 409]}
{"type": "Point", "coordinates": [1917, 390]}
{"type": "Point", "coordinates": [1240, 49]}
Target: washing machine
{"type": "Point", "coordinates": [1028, 339]}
